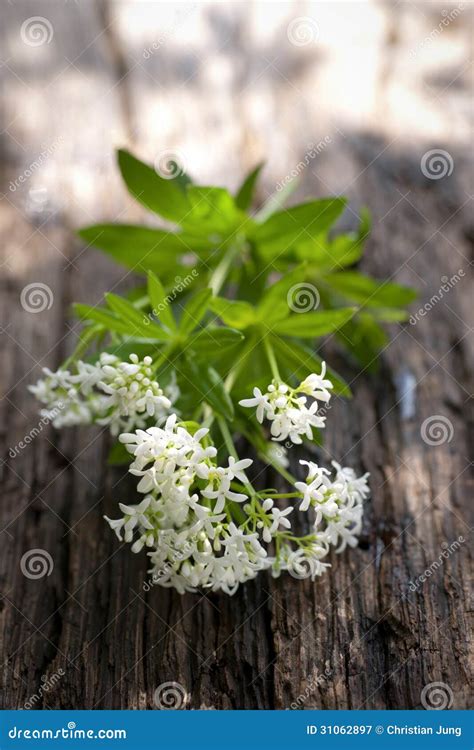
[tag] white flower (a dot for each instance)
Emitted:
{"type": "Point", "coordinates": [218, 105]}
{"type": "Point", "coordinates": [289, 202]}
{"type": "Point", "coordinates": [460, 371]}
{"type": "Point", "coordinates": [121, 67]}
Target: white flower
{"type": "Point", "coordinates": [317, 386]}
{"type": "Point", "coordinates": [260, 401]}
{"type": "Point", "coordinates": [121, 395]}
{"type": "Point", "coordinates": [187, 560]}
{"type": "Point", "coordinates": [277, 518]}
{"type": "Point", "coordinates": [287, 411]}
{"type": "Point", "coordinates": [133, 395]}
{"type": "Point", "coordinates": [219, 481]}
{"type": "Point", "coordinates": [134, 515]}
{"type": "Point", "coordinates": [167, 459]}
{"type": "Point", "coordinates": [186, 518]}
{"type": "Point", "coordinates": [315, 487]}
{"type": "Point", "coordinates": [295, 422]}
{"type": "Point", "coordinates": [65, 406]}
{"type": "Point", "coordinates": [172, 464]}
{"type": "Point", "coordinates": [337, 503]}
{"type": "Point", "coordinates": [304, 562]}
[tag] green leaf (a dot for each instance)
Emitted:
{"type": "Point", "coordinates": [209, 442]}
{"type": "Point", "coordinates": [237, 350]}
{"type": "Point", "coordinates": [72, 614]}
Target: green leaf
{"type": "Point", "coordinates": [175, 168]}
{"type": "Point", "coordinates": [344, 250]}
{"type": "Point", "coordinates": [297, 360]}
{"type": "Point", "coordinates": [210, 388]}
{"type": "Point", "coordinates": [214, 340]}
{"type": "Point", "coordinates": [275, 303]}
{"type": "Point", "coordinates": [313, 324]}
{"type": "Point", "coordinates": [360, 288]}
{"type": "Point", "coordinates": [160, 302]}
{"type": "Point", "coordinates": [235, 313]}
{"type": "Point", "coordinates": [213, 211]}
{"type": "Point", "coordinates": [299, 223]}
{"type": "Point", "coordinates": [256, 371]}
{"type": "Point", "coordinates": [244, 197]}
{"type": "Point", "coordinates": [105, 318]}
{"type": "Point", "coordinates": [164, 197]}
{"type": "Point", "coordinates": [276, 200]}
{"type": "Point", "coordinates": [388, 315]}
{"type": "Point", "coordinates": [142, 248]}
{"type": "Point", "coordinates": [138, 321]}
{"type": "Point", "coordinates": [194, 311]}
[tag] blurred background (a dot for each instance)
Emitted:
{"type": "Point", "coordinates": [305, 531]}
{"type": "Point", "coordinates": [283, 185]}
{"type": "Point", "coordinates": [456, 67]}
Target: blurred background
{"type": "Point", "coordinates": [372, 100]}
{"type": "Point", "coordinates": [365, 87]}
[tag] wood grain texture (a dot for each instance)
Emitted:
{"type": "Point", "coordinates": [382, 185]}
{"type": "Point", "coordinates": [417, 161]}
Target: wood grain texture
{"type": "Point", "coordinates": [223, 86]}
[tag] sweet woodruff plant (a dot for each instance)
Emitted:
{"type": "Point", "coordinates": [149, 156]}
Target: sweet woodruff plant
{"type": "Point", "coordinates": [219, 345]}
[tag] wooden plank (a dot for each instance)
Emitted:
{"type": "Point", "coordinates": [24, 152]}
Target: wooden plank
{"type": "Point", "coordinates": [59, 125]}
{"type": "Point", "coordinates": [230, 77]}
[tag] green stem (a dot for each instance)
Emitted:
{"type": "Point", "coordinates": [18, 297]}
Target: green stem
{"type": "Point", "coordinates": [85, 339]}
{"type": "Point", "coordinates": [308, 539]}
{"type": "Point", "coordinates": [237, 486]}
{"type": "Point", "coordinates": [229, 444]}
{"type": "Point", "coordinates": [237, 512]}
{"type": "Point", "coordinates": [284, 473]}
{"type": "Point", "coordinates": [232, 376]}
{"type": "Point", "coordinates": [220, 272]}
{"type": "Point", "coordinates": [210, 416]}
{"type": "Point", "coordinates": [163, 358]}
{"type": "Point", "coordinates": [271, 358]}
{"type": "Point", "coordinates": [280, 495]}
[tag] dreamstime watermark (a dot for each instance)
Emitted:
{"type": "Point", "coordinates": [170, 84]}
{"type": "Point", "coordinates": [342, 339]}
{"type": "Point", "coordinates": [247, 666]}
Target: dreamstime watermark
{"type": "Point", "coordinates": [303, 297]}
{"type": "Point", "coordinates": [36, 164]}
{"type": "Point", "coordinates": [48, 684]}
{"type": "Point", "coordinates": [180, 16]}
{"type": "Point", "coordinates": [436, 164]}
{"type": "Point", "coordinates": [447, 283]}
{"type": "Point", "coordinates": [71, 732]}
{"type": "Point", "coordinates": [437, 696]}
{"type": "Point", "coordinates": [36, 563]}
{"type": "Point", "coordinates": [180, 285]}
{"type": "Point", "coordinates": [36, 297]}
{"type": "Point", "coordinates": [158, 575]}
{"type": "Point", "coordinates": [446, 20]}
{"type": "Point", "coordinates": [437, 430]}
{"type": "Point", "coordinates": [312, 152]}
{"type": "Point", "coordinates": [311, 687]}
{"type": "Point", "coordinates": [277, 453]}
{"type": "Point", "coordinates": [302, 31]}
{"type": "Point", "coordinates": [448, 550]}
{"type": "Point", "coordinates": [170, 696]}
{"type": "Point", "coordinates": [170, 164]}
{"type": "Point", "coordinates": [36, 31]}
{"type": "Point", "coordinates": [35, 431]}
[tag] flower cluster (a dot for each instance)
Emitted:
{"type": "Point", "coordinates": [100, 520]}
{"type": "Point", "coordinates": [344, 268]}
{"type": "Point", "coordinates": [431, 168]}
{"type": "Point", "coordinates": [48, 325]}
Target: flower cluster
{"type": "Point", "coordinates": [337, 503]}
{"type": "Point", "coordinates": [194, 543]}
{"type": "Point", "coordinates": [202, 522]}
{"type": "Point", "coordinates": [303, 562]}
{"type": "Point", "coordinates": [200, 519]}
{"type": "Point", "coordinates": [121, 395]}
{"type": "Point", "coordinates": [197, 535]}
{"type": "Point", "coordinates": [286, 408]}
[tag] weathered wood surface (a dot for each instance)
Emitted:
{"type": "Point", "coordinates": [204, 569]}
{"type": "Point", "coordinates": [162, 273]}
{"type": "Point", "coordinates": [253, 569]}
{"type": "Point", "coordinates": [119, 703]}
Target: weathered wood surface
{"type": "Point", "coordinates": [224, 86]}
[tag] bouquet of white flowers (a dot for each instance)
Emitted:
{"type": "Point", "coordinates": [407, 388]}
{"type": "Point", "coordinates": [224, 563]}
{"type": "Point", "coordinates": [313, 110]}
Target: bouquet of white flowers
{"type": "Point", "coordinates": [180, 368]}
